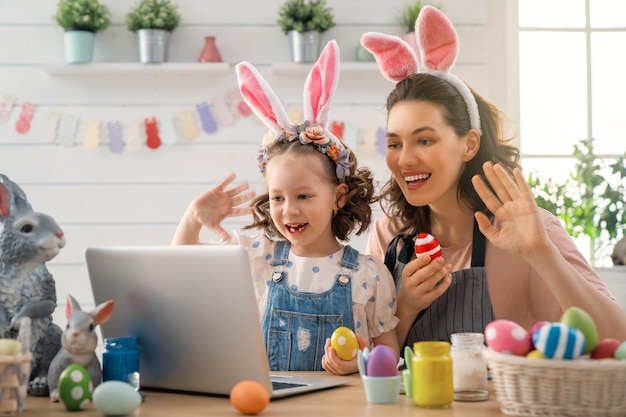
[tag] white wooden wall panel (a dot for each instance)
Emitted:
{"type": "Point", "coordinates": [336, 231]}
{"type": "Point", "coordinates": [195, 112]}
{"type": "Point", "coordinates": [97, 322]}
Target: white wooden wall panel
{"type": "Point", "coordinates": [137, 197]}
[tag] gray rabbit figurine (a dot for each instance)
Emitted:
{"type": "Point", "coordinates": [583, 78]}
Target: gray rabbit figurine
{"type": "Point", "coordinates": [79, 343]}
{"type": "Point", "coordinates": [27, 241]}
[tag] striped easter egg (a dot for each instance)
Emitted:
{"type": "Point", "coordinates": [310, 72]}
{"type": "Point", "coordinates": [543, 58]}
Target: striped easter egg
{"type": "Point", "coordinates": [426, 244]}
{"type": "Point", "coordinates": [559, 341]}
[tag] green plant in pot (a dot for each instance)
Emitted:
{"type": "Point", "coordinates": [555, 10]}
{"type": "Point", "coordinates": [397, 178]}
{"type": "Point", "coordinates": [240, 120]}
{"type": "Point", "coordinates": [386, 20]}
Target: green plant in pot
{"type": "Point", "coordinates": [81, 19]}
{"type": "Point", "coordinates": [304, 21]}
{"type": "Point", "coordinates": [407, 17]}
{"type": "Point", "coordinates": [153, 21]}
{"type": "Point", "coordinates": [590, 202]}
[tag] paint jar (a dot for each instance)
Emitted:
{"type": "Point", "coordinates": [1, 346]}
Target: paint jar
{"type": "Point", "coordinates": [469, 367]}
{"type": "Point", "coordinates": [432, 375]}
{"type": "Point", "coordinates": [120, 360]}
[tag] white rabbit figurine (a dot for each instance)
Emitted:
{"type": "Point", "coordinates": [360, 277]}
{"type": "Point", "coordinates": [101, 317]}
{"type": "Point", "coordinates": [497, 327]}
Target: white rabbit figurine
{"type": "Point", "coordinates": [78, 343]}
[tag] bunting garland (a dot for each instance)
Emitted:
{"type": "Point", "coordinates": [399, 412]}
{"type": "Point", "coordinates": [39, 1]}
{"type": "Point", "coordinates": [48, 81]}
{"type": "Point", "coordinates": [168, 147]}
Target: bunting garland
{"type": "Point", "coordinates": [185, 126]}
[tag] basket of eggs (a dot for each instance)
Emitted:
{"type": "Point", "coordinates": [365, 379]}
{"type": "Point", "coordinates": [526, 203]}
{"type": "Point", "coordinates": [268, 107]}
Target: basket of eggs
{"type": "Point", "coordinates": [556, 369]}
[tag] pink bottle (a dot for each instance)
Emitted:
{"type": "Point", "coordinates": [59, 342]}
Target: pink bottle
{"type": "Point", "coordinates": [210, 53]}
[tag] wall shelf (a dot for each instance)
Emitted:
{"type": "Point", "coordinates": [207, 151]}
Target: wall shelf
{"type": "Point", "coordinates": [129, 68]}
{"type": "Point", "coordinates": [294, 68]}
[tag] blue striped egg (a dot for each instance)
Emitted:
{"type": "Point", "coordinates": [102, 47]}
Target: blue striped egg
{"type": "Point", "coordinates": [559, 341]}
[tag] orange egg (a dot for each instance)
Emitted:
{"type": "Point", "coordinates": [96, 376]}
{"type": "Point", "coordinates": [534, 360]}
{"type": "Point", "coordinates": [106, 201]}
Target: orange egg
{"type": "Point", "coordinates": [249, 397]}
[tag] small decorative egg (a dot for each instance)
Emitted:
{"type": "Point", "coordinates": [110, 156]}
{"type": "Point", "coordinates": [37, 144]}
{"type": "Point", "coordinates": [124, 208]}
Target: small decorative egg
{"type": "Point", "coordinates": [75, 387]}
{"type": "Point", "coordinates": [116, 398]}
{"type": "Point", "coordinates": [605, 349]}
{"type": "Point", "coordinates": [535, 354]}
{"type": "Point", "coordinates": [382, 362]}
{"type": "Point", "coordinates": [249, 397]}
{"type": "Point", "coordinates": [581, 320]}
{"type": "Point", "coordinates": [559, 341]}
{"type": "Point", "coordinates": [620, 352]}
{"type": "Point", "coordinates": [344, 342]}
{"type": "Point", "coordinates": [10, 346]}
{"type": "Point", "coordinates": [426, 244]}
{"type": "Point", "coordinates": [506, 336]}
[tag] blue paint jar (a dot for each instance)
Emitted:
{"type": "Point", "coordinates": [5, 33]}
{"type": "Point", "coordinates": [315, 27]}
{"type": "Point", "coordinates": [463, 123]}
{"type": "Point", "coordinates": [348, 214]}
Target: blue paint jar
{"type": "Point", "coordinates": [120, 360]}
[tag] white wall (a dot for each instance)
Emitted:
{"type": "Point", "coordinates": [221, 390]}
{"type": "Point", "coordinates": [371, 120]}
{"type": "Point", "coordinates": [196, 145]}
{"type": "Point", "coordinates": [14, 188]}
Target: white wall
{"type": "Point", "coordinates": [136, 197]}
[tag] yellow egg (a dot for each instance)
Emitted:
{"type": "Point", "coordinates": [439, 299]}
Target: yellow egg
{"type": "Point", "coordinates": [10, 347]}
{"type": "Point", "coordinates": [535, 354]}
{"type": "Point", "coordinates": [344, 341]}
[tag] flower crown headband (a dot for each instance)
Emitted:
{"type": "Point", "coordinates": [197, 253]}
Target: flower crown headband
{"type": "Point", "coordinates": [438, 48]}
{"type": "Point", "coordinates": [319, 89]}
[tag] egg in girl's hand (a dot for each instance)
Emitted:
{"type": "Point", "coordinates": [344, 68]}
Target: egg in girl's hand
{"type": "Point", "coordinates": [249, 397]}
{"type": "Point", "coordinates": [426, 244]}
{"type": "Point", "coordinates": [75, 387]}
{"type": "Point", "coordinates": [506, 336]}
{"type": "Point", "coordinates": [116, 398]}
{"type": "Point", "coordinates": [344, 342]}
{"type": "Point", "coordinates": [382, 362]}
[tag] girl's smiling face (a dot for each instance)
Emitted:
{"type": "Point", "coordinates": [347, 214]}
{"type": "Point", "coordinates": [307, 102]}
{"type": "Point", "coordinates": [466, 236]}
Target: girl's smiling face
{"type": "Point", "coordinates": [302, 201]}
{"type": "Point", "coordinates": [424, 153]}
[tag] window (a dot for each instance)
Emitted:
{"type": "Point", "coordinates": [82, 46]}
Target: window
{"type": "Point", "coordinates": [572, 79]}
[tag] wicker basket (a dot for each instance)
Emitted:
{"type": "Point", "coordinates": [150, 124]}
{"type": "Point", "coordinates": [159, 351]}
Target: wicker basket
{"type": "Point", "coordinates": [14, 373]}
{"type": "Point", "coordinates": [551, 387]}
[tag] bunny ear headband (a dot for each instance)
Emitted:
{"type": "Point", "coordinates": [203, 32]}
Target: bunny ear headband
{"type": "Point", "coordinates": [319, 89]}
{"type": "Point", "coordinates": [438, 48]}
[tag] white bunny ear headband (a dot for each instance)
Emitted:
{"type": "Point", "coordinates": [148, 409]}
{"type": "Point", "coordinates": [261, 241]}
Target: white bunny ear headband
{"type": "Point", "coordinates": [438, 48]}
{"type": "Point", "coordinates": [319, 89]}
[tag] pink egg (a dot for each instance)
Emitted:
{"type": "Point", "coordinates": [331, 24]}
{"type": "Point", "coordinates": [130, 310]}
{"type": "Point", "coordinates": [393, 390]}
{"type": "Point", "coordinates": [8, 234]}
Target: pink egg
{"type": "Point", "coordinates": [382, 362]}
{"type": "Point", "coordinates": [506, 336]}
{"type": "Point", "coordinates": [605, 349]}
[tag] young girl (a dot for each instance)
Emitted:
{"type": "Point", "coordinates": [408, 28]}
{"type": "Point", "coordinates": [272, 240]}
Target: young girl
{"type": "Point", "coordinates": [503, 257]}
{"type": "Point", "coordinates": [306, 281]}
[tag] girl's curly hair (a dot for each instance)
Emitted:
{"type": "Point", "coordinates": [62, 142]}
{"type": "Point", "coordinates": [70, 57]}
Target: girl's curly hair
{"type": "Point", "coordinates": [356, 213]}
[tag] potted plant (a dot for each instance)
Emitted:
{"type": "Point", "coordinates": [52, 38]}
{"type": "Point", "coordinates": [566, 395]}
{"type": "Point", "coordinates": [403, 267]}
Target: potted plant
{"type": "Point", "coordinates": [408, 16]}
{"type": "Point", "coordinates": [153, 21]}
{"type": "Point", "coordinates": [81, 19]}
{"type": "Point", "coordinates": [590, 202]}
{"type": "Point", "coordinates": [304, 21]}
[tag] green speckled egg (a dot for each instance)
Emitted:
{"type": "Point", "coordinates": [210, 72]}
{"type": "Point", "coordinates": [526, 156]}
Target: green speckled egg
{"type": "Point", "coordinates": [581, 320]}
{"type": "Point", "coordinates": [116, 398]}
{"type": "Point", "coordinates": [75, 387]}
{"type": "Point", "coordinates": [620, 352]}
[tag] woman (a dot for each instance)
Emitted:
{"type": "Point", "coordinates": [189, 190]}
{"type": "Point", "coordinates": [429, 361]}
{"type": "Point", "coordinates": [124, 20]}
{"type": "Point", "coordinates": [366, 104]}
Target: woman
{"type": "Point", "coordinates": [455, 177]}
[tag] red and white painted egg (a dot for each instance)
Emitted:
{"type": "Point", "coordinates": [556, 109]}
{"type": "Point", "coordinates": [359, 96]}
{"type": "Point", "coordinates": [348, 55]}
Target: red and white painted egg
{"type": "Point", "coordinates": [426, 244]}
{"type": "Point", "coordinates": [506, 336]}
{"type": "Point", "coordinates": [559, 341]}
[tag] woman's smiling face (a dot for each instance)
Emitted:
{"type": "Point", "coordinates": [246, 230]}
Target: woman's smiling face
{"type": "Point", "coordinates": [424, 153]}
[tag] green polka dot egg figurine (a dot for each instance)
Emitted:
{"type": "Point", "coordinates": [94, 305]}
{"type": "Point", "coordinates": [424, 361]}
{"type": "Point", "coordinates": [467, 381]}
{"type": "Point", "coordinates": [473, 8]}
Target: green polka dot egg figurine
{"type": "Point", "coordinates": [75, 387]}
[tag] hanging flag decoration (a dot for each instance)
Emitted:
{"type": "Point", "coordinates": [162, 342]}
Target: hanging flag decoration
{"type": "Point", "coordinates": [223, 115]}
{"type": "Point", "coordinates": [296, 114]}
{"type": "Point", "coordinates": [167, 131]}
{"type": "Point", "coordinates": [116, 142]}
{"type": "Point", "coordinates": [369, 141]}
{"type": "Point", "coordinates": [336, 128]}
{"type": "Point", "coordinates": [152, 133]}
{"type": "Point", "coordinates": [6, 105]}
{"type": "Point", "coordinates": [66, 133]}
{"type": "Point", "coordinates": [50, 131]}
{"type": "Point", "coordinates": [208, 122]}
{"type": "Point", "coordinates": [23, 124]}
{"type": "Point", "coordinates": [234, 100]}
{"type": "Point", "coordinates": [382, 142]}
{"type": "Point", "coordinates": [92, 134]}
{"type": "Point", "coordinates": [350, 136]}
{"type": "Point", "coordinates": [134, 135]}
{"type": "Point", "coordinates": [188, 125]}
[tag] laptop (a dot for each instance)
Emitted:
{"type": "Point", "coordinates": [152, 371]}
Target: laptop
{"type": "Point", "coordinates": [195, 316]}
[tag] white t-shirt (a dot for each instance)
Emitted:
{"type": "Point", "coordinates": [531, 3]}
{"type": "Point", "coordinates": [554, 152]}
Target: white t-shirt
{"type": "Point", "coordinates": [373, 290]}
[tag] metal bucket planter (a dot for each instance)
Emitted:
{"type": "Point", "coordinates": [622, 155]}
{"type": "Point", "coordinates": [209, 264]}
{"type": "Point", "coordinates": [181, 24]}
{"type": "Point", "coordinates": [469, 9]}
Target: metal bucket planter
{"type": "Point", "coordinates": [305, 46]}
{"type": "Point", "coordinates": [152, 45]}
{"type": "Point", "coordinates": [79, 46]}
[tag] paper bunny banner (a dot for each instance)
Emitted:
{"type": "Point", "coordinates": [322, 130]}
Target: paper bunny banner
{"type": "Point", "coordinates": [319, 89]}
{"type": "Point", "coordinates": [438, 48]}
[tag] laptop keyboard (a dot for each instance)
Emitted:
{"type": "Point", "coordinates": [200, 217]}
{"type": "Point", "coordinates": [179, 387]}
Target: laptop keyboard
{"type": "Point", "coordinates": [282, 385]}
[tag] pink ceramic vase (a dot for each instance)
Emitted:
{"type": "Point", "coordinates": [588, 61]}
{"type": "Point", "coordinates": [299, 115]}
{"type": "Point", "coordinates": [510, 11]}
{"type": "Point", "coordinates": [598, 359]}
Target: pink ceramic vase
{"type": "Point", "coordinates": [210, 53]}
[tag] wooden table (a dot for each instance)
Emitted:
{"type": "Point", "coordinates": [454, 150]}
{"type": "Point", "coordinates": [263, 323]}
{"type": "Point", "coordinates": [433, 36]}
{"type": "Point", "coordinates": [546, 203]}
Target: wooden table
{"type": "Point", "coordinates": [347, 400]}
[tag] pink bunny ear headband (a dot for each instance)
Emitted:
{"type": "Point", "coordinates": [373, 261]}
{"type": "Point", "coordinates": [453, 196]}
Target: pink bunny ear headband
{"type": "Point", "coordinates": [319, 89]}
{"type": "Point", "coordinates": [438, 48]}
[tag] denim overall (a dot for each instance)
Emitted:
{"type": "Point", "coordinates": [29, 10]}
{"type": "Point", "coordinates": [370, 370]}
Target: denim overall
{"type": "Point", "coordinates": [465, 307]}
{"type": "Point", "coordinates": [297, 324]}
